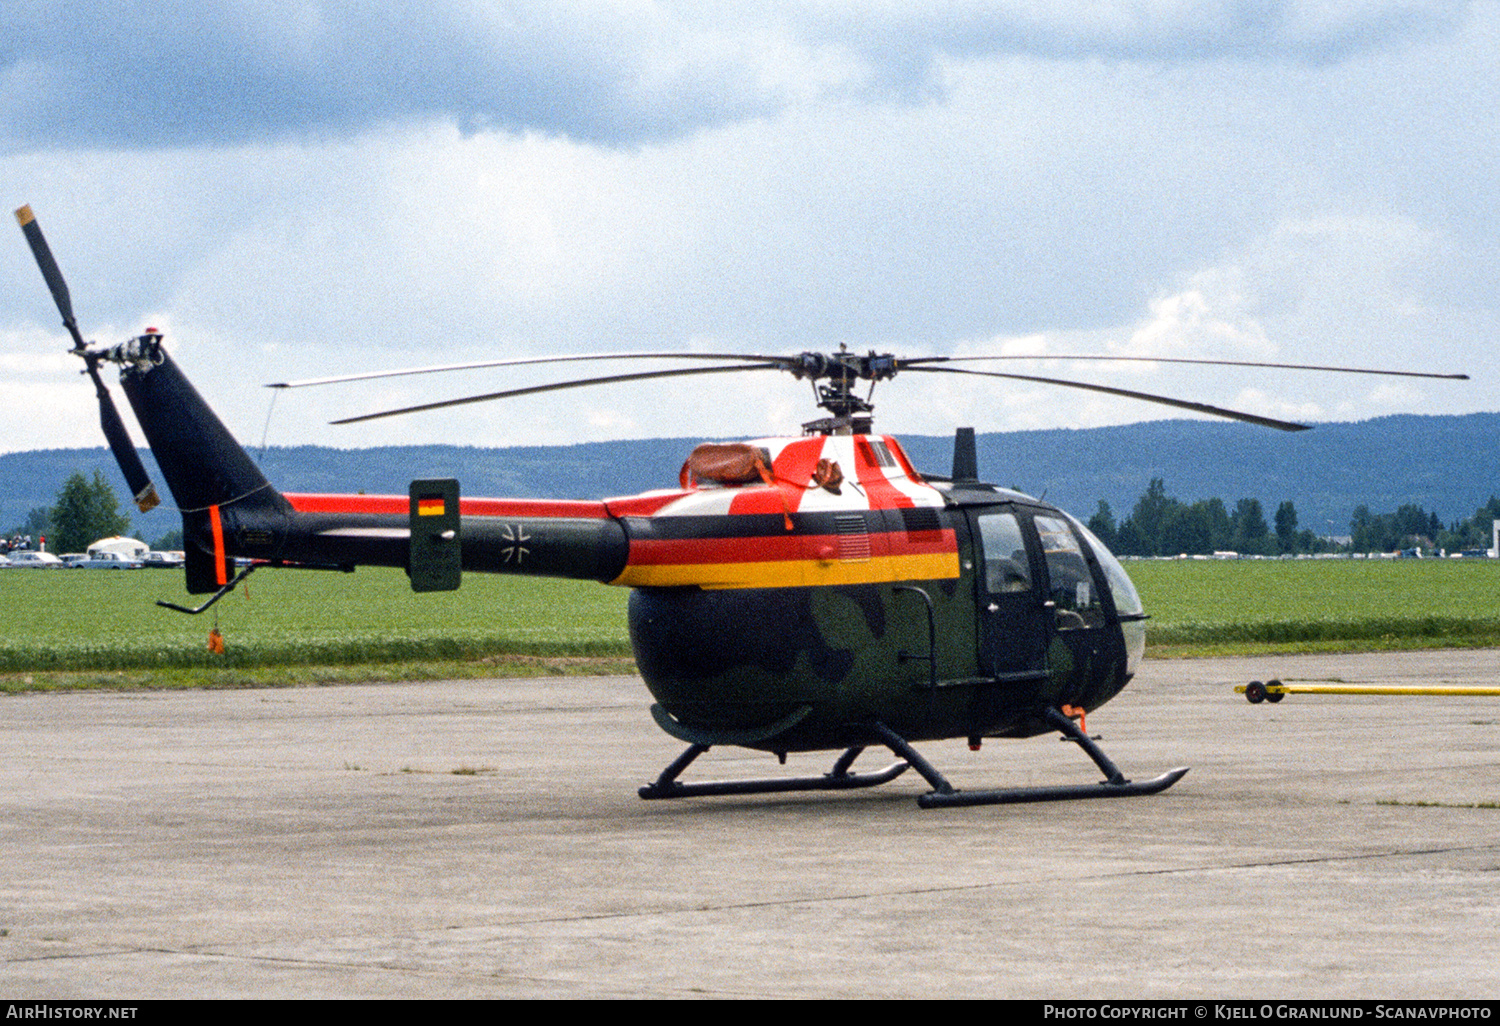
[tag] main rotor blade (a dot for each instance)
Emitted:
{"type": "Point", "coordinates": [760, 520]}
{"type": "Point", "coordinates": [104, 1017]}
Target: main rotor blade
{"type": "Point", "coordinates": [1182, 404]}
{"type": "Point", "coordinates": [912, 362]}
{"type": "Point", "coordinates": [372, 375]}
{"type": "Point", "coordinates": [557, 386]}
{"type": "Point", "coordinates": [50, 273]}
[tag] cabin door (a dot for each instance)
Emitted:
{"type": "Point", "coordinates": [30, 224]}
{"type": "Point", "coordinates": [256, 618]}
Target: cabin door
{"type": "Point", "coordinates": [1013, 620]}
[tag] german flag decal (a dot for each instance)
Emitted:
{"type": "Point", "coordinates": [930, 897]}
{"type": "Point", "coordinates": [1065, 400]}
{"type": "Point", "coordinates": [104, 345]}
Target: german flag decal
{"type": "Point", "coordinates": [430, 506]}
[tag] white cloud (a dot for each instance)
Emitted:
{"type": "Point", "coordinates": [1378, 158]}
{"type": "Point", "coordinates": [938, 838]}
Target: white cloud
{"type": "Point", "coordinates": [1258, 400]}
{"type": "Point", "coordinates": [1208, 320]}
{"type": "Point", "coordinates": [210, 71]}
{"type": "Point", "coordinates": [1237, 180]}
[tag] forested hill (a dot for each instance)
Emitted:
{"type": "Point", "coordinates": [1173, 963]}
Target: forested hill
{"type": "Point", "coordinates": [1447, 465]}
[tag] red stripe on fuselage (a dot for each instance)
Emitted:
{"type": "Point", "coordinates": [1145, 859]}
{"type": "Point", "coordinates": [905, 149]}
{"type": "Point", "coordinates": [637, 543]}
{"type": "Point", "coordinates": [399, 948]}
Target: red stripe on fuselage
{"type": "Point", "coordinates": [901, 458]}
{"type": "Point", "coordinates": [793, 470]}
{"type": "Point", "coordinates": [641, 505]}
{"type": "Point", "coordinates": [883, 494]}
{"type": "Point", "coordinates": [400, 505]}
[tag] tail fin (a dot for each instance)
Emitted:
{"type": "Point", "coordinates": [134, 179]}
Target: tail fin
{"type": "Point", "coordinates": [219, 490]}
{"type": "Point", "coordinates": [217, 487]}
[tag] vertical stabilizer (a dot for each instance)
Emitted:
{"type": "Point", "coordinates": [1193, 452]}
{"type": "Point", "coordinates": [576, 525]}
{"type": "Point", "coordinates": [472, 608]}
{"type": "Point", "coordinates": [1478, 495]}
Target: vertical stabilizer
{"type": "Point", "coordinates": [216, 485]}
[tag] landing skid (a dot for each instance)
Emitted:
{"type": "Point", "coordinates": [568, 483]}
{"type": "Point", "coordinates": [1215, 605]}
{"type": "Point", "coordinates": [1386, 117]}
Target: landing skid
{"type": "Point", "coordinates": [942, 795]}
{"type": "Point", "coordinates": [1115, 785]}
{"type": "Point", "coordinates": [837, 779]}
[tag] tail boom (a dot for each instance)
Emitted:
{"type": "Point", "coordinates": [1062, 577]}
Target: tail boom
{"type": "Point", "coordinates": [231, 511]}
{"type": "Point", "coordinates": [532, 537]}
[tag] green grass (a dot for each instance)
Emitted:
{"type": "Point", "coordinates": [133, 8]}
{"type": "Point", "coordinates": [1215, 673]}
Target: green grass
{"type": "Point", "coordinates": [105, 621]}
{"type": "Point", "coordinates": [1201, 607]}
{"type": "Point", "coordinates": [102, 628]}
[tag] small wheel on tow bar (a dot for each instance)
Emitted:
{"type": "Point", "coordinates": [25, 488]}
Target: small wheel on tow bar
{"type": "Point", "coordinates": [1274, 696]}
{"type": "Point", "coordinates": [1255, 692]}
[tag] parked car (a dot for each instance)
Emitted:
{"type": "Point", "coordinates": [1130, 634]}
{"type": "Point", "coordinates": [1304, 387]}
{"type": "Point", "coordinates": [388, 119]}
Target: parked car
{"type": "Point", "coordinates": [167, 560]}
{"type": "Point", "coordinates": [37, 560]}
{"type": "Point", "coordinates": [73, 559]}
{"type": "Point", "coordinates": [110, 561]}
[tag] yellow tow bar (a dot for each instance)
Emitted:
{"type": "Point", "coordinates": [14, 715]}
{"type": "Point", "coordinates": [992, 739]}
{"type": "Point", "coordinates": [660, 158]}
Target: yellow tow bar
{"type": "Point", "coordinates": [1274, 690]}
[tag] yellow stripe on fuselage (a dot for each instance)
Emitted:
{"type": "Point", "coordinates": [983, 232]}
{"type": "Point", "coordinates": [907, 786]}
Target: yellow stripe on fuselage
{"type": "Point", "coordinates": [796, 573]}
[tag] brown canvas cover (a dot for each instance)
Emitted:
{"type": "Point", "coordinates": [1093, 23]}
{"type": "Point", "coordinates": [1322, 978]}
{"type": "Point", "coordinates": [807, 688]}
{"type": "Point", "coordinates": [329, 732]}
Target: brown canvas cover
{"type": "Point", "coordinates": [725, 463]}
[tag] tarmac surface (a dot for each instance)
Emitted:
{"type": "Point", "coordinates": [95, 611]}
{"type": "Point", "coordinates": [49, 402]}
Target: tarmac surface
{"type": "Point", "coordinates": [483, 839]}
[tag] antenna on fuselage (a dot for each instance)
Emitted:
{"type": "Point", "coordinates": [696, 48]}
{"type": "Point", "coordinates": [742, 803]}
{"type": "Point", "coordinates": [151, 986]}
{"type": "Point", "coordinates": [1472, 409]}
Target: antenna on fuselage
{"type": "Point", "coordinates": [965, 455]}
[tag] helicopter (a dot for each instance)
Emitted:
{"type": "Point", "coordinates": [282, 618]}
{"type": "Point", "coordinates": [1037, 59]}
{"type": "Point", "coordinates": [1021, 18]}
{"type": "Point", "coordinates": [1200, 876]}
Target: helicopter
{"type": "Point", "coordinates": [811, 593]}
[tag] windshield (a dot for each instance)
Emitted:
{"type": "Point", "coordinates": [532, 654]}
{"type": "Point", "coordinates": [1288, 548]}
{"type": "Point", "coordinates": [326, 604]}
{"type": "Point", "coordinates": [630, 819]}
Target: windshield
{"type": "Point", "coordinates": [1127, 600]}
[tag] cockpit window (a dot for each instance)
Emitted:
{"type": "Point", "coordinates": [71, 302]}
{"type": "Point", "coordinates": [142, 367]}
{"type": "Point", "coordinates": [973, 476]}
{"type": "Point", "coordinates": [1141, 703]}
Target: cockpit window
{"type": "Point", "coordinates": [1006, 567]}
{"type": "Point", "coordinates": [1070, 582]}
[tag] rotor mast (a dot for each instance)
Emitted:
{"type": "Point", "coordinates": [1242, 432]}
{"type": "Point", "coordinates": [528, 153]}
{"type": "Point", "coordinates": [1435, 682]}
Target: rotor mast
{"type": "Point", "coordinates": [842, 371]}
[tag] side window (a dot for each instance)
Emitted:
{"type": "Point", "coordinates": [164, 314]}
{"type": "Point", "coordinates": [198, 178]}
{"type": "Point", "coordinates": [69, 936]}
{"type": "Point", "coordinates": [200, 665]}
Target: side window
{"type": "Point", "coordinates": [1071, 584]}
{"type": "Point", "coordinates": [1006, 567]}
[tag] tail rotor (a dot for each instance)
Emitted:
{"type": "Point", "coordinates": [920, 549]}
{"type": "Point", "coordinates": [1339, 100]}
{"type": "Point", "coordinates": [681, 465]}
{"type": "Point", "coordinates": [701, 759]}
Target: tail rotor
{"type": "Point", "coordinates": [141, 489]}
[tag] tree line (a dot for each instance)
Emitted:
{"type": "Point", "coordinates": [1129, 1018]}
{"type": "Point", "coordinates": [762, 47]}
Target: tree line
{"type": "Point", "coordinates": [1158, 525]}
{"type": "Point", "coordinates": [83, 512]}
{"type": "Point", "coordinates": [1411, 526]}
{"type": "Point", "coordinates": [1161, 525]}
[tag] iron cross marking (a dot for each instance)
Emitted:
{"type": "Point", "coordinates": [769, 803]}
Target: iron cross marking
{"type": "Point", "coordinates": [515, 534]}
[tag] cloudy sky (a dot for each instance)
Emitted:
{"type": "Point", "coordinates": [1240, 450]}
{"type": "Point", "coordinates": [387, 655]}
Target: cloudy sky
{"type": "Point", "coordinates": [310, 188]}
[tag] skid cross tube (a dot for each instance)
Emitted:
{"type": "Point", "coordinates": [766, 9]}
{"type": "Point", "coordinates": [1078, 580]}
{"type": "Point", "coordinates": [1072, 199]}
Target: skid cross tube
{"type": "Point", "coordinates": [837, 779]}
{"type": "Point", "coordinates": [1115, 784]}
{"type": "Point", "coordinates": [943, 793]}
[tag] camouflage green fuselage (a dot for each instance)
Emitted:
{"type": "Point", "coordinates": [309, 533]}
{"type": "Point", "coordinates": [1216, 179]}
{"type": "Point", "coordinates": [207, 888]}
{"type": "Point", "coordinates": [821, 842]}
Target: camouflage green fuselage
{"type": "Point", "coordinates": [787, 669]}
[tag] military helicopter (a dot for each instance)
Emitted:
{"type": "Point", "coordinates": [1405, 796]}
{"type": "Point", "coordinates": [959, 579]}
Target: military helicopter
{"type": "Point", "coordinates": [789, 595]}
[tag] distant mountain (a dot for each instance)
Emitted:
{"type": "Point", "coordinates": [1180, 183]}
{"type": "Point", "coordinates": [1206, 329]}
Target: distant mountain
{"type": "Point", "coordinates": [588, 471]}
{"type": "Point", "coordinates": [1449, 465]}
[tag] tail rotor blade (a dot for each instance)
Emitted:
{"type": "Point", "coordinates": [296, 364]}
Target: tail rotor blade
{"type": "Point", "coordinates": [50, 273]}
{"type": "Point", "coordinates": [142, 491]}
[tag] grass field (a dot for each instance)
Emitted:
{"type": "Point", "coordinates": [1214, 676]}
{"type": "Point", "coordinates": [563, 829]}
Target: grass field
{"type": "Point", "coordinates": [290, 626]}
{"type": "Point", "coordinates": [103, 627]}
{"type": "Point", "coordinates": [1203, 607]}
